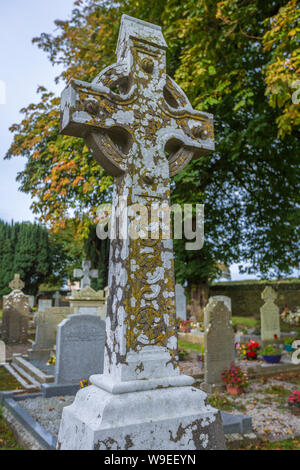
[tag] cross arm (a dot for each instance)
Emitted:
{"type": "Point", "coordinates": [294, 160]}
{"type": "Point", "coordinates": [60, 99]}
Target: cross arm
{"type": "Point", "coordinates": [88, 106]}
{"type": "Point", "coordinates": [191, 134]}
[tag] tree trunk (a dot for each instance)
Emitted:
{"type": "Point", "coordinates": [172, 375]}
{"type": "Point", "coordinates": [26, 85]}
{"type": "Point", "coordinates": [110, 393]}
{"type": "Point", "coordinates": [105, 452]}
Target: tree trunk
{"type": "Point", "coordinates": [199, 299]}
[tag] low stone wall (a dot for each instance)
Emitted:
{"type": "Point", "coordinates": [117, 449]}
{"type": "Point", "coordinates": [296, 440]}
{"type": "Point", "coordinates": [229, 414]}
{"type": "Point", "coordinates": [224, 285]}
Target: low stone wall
{"type": "Point", "coordinates": [246, 295]}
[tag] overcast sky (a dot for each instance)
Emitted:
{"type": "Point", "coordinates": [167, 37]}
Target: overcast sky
{"type": "Point", "coordinates": [23, 67]}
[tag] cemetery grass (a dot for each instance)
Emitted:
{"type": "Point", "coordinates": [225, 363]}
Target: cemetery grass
{"type": "Point", "coordinates": [7, 381]}
{"type": "Point", "coordinates": [189, 346]}
{"type": "Point", "coordinates": [249, 322]}
{"type": "Point", "coordinates": [7, 439]}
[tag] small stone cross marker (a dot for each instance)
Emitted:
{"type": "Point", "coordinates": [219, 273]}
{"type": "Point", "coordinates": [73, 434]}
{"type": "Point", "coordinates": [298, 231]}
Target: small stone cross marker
{"type": "Point", "coordinates": [132, 116]}
{"type": "Point", "coordinates": [57, 296]}
{"type": "Point", "coordinates": [16, 283]}
{"type": "Point", "coordinates": [85, 274]}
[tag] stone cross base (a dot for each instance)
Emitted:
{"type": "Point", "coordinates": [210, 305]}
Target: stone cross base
{"type": "Point", "coordinates": [212, 388]}
{"type": "Point", "coordinates": [174, 418]}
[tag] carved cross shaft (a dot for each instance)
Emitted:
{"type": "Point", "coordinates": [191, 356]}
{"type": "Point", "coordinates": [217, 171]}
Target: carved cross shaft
{"type": "Point", "coordinates": [85, 274]}
{"type": "Point", "coordinates": [142, 130]}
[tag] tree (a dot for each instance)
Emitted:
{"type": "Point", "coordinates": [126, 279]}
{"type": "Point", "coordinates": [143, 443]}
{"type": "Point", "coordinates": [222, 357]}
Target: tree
{"type": "Point", "coordinates": [26, 250]}
{"type": "Point", "coordinates": [236, 59]}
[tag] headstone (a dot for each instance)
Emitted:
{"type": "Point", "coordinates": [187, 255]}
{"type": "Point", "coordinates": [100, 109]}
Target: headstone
{"type": "Point", "coordinates": [15, 315]}
{"type": "Point", "coordinates": [79, 348]}
{"type": "Point", "coordinates": [88, 301]}
{"type": "Point", "coordinates": [43, 304]}
{"type": "Point", "coordinates": [219, 350]}
{"type": "Point", "coordinates": [85, 274]}
{"type": "Point", "coordinates": [141, 401]}
{"type": "Point", "coordinates": [226, 300]}
{"type": "Point", "coordinates": [57, 297]}
{"type": "Point", "coordinates": [31, 301]}
{"type": "Point", "coordinates": [2, 352]}
{"type": "Point", "coordinates": [180, 302]}
{"type": "Point", "coordinates": [45, 336]}
{"type": "Point", "coordinates": [269, 316]}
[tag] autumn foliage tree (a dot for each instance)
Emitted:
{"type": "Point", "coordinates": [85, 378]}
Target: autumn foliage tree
{"type": "Point", "coordinates": [237, 59]}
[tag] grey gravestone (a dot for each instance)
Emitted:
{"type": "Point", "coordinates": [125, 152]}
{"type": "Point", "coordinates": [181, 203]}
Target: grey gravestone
{"type": "Point", "coordinates": [31, 301]}
{"type": "Point", "coordinates": [219, 350]}
{"type": "Point", "coordinates": [43, 304]}
{"type": "Point", "coordinates": [88, 301]}
{"type": "Point", "coordinates": [57, 297]}
{"type": "Point", "coordinates": [269, 316]}
{"type": "Point", "coordinates": [2, 352]}
{"type": "Point", "coordinates": [225, 299]}
{"type": "Point", "coordinates": [180, 302]}
{"type": "Point", "coordinates": [85, 274]}
{"type": "Point", "coordinates": [79, 348]}
{"type": "Point", "coordinates": [15, 316]}
{"type": "Point", "coordinates": [45, 337]}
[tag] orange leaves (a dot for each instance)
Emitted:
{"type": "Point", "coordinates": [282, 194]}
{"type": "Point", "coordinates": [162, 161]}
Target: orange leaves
{"type": "Point", "coordinates": [77, 180]}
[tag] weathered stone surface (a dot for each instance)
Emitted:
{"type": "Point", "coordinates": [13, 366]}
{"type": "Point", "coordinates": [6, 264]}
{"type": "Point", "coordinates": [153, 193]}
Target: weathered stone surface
{"type": "Point", "coordinates": [79, 348]}
{"type": "Point", "coordinates": [269, 316]}
{"type": "Point", "coordinates": [141, 399]}
{"type": "Point", "coordinates": [218, 343]}
{"type": "Point", "coordinates": [85, 274]}
{"type": "Point", "coordinates": [45, 337]}
{"type": "Point", "coordinates": [15, 315]}
{"type": "Point", "coordinates": [16, 283]}
{"type": "Point", "coordinates": [57, 297]}
{"type": "Point", "coordinates": [88, 301]}
{"type": "Point", "coordinates": [226, 300]}
{"type": "Point", "coordinates": [2, 352]}
{"type": "Point", "coordinates": [180, 302]}
{"type": "Point", "coordinates": [43, 304]}
{"type": "Point", "coordinates": [180, 420]}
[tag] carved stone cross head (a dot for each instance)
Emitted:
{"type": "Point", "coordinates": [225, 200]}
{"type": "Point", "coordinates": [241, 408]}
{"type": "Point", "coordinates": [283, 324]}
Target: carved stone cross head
{"type": "Point", "coordinates": [85, 274]}
{"type": "Point", "coordinates": [133, 116]}
{"type": "Point", "coordinates": [269, 294]}
{"type": "Point", "coordinates": [17, 283]}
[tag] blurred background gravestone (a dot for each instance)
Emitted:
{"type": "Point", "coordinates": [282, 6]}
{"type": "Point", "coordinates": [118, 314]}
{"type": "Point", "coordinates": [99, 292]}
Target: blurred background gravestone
{"type": "Point", "coordinates": [15, 316]}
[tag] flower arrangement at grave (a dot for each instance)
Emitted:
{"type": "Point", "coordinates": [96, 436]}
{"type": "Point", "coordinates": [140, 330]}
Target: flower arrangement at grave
{"type": "Point", "coordinates": [51, 360]}
{"type": "Point", "coordinates": [294, 402]}
{"type": "Point", "coordinates": [185, 326]}
{"type": "Point", "coordinates": [271, 354]}
{"type": "Point", "coordinates": [288, 344]}
{"type": "Point", "coordinates": [292, 317]}
{"type": "Point", "coordinates": [84, 383]}
{"type": "Point", "coordinates": [248, 351]}
{"type": "Point", "coordinates": [236, 380]}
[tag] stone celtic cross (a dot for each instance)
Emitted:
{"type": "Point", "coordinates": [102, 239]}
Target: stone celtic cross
{"type": "Point", "coordinates": [142, 130]}
{"type": "Point", "coordinates": [17, 283]}
{"type": "Point", "coordinates": [85, 274]}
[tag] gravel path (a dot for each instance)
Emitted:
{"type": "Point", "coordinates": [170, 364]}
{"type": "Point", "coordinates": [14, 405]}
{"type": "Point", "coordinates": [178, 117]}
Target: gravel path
{"type": "Point", "coordinates": [271, 416]}
{"type": "Point", "coordinates": [47, 411]}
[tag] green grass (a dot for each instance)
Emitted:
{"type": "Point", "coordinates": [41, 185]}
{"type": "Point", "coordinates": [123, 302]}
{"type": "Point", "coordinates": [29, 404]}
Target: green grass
{"type": "Point", "coordinates": [0, 314]}
{"type": "Point", "coordinates": [190, 346]}
{"type": "Point", "coordinates": [7, 439]}
{"type": "Point", "coordinates": [7, 381]}
{"type": "Point", "coordinates": [249, 322]}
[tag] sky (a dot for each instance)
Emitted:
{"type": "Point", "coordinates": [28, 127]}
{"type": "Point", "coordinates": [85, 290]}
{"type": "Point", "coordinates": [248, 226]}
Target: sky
{"type": "Point", "coordinates": [24, 67]}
